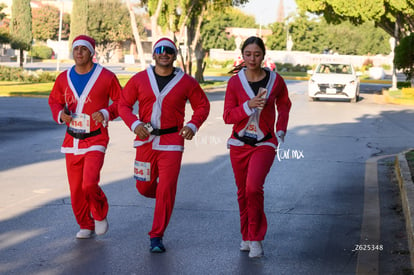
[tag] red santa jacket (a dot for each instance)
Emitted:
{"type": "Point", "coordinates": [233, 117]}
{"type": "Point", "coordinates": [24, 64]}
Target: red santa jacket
{"type": "Point", "coordinates": [164, 109]}
{"type": "Point", "coordinates": [261, 122]}
{"type": "Point", "coordinates": [102, 87]}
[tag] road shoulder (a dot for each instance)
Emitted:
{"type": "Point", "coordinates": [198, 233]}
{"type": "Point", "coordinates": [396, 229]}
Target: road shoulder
{"type": "Point", "coordinates": [406, 186]}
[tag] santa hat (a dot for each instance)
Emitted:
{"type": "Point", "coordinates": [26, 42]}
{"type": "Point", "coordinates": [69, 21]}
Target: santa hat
{"type": "Point", "coordinates": [84, 40]}
{"type": "Point", "coordinates": [164, 42]}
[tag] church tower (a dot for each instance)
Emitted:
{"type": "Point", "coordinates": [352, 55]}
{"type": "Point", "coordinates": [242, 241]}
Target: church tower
{"type": "Point", "coordinates": [280, 12]}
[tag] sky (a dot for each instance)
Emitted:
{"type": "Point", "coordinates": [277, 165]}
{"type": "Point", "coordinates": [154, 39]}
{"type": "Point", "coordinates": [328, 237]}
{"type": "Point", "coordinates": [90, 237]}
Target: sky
{"type": "Point", "coordinates": [265, 11]}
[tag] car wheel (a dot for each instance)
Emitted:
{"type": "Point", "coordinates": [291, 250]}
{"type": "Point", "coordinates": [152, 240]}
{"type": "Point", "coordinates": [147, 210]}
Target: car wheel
{"type": "Point", "coordinates": [313, 98]}
{"type": "Point", "coordinates": [354, 99]}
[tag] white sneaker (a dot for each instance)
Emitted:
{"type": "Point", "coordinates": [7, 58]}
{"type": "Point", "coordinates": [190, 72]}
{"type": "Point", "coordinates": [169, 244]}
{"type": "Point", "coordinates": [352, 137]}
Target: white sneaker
{"type": "Point", "coordinates": [256, 249]}
{"type": "Point", "coordinates": [101, 227]}
{"type": "Point", "coordinates": [244, 246]}
{"type": "Point", "coordinates": [84, 234]}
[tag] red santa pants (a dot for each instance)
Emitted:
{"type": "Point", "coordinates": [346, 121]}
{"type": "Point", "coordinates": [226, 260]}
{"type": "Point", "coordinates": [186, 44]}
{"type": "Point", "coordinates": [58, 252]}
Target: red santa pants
{"type": "Point", "coordinates": [88, 200]}
{"type": "Point", "coordinates": [162, 185]}
{"type": "Point", "coordinates": [251, 166]}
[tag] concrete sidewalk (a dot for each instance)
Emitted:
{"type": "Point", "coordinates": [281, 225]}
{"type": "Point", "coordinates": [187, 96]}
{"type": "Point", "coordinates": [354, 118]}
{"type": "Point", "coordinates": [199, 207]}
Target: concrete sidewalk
{"type": "Point", "coordinates": [406, 186]}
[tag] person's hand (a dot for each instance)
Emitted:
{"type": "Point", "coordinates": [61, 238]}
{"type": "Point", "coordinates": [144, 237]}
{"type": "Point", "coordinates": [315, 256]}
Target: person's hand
{"type": "Point", "coordinates": [67, 118]}
{"type": "Point", "coordinates": [257, 101]}
{"type": "Point", "coordinates": [141, 131]}
{"type": "Point", "coordinates": [98, 117]}
{"type": "Point", "coordinates": [280, 135]}
{"type": "Point", "coordinates": [187, 133]}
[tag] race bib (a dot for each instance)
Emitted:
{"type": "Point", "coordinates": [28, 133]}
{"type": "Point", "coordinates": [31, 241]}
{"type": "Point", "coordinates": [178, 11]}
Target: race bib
{"type": "Point", "coordinates": [80, 123]}
{"type": "Point", "coordinates": [142, 171]}
{"type": "Point", "coordinates": [251, 130]}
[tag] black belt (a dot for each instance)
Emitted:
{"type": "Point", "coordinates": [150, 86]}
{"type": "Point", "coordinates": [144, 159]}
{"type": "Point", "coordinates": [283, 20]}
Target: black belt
{"type": "Point", "coordinates": [160, 132]}
{"type": "Point", "coordinates": [83, 135]}
{"type": "Point", "coordinates": [251, 141]}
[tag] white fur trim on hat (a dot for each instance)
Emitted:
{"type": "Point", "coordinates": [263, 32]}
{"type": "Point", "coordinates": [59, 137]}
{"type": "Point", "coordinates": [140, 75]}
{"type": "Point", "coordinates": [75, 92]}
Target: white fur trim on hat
{"type": "Point", "coordinates": [85, 43]}
{"type": "Point", "coordinates": [165, 42]}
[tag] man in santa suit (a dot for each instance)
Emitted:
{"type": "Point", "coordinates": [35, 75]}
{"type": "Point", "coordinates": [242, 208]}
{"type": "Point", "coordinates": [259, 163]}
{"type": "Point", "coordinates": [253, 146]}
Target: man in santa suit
{"type": "Point", "coordinates": [80, 99]}
{"type": "Point", "coordinates": [161, 92]}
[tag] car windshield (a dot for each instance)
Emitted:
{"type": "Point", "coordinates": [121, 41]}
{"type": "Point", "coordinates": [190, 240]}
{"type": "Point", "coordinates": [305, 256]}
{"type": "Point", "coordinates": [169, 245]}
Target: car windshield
{"type": "Point", "coordinates": [334, 69]}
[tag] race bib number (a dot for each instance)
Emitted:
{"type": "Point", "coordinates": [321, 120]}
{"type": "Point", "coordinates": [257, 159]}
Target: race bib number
{"type": "Point", "coordinates": [251, 131]}
{"type": "Point", "coordinates": [80, 123]}
{"type": "Point", "coordinates": [142, 171]}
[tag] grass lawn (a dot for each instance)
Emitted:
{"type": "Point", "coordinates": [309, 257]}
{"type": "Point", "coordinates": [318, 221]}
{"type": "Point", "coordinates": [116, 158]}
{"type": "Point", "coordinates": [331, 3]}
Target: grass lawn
{"type": "Point", "coordinates": [10, 88]}
{"type": "Point", "coordinates": [399, 94]}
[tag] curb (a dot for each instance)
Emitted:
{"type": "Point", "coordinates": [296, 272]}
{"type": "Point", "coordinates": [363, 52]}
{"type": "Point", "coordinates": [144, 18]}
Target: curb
{"type": "Point", "coordinates": [407, 197]}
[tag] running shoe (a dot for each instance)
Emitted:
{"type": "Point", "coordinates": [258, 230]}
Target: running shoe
{"type": "Point", "coordinates": [245, 246]}
{"type": "Point", "coordinates": [156, 245]}
{"type": "Point", "coordinates": [84, 234]}
{"type": "Point", "coordinates": [256, 249]}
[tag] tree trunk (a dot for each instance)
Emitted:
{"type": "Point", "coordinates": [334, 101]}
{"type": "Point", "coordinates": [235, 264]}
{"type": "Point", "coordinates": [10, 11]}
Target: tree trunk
{"type": "Point", "coordinates": [140, 50]}
{"type": "Point", "coordinates": [394, 70]}
{"type": "Point", "coordinates": [154, 24]}
{"type": "Point", "coordinates": [21, 58]}
{"type": "Point", "coordinates": [198, 49]}
{"type": "Point", "coordinates": [199, 74]}
{"type": "Point", "coordinates": [189, 63]}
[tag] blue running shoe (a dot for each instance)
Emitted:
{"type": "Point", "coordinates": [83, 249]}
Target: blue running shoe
{"type": "Point", "coordinates": [156, 245]}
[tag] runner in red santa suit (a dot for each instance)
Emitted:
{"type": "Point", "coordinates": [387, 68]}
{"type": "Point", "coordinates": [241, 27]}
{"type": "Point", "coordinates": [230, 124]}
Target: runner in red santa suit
{"type": "Point", "coordinates": [250, 101]}
{"type": "Point", "coordinates": [80, 99]}
{"type": "Point", "coordinates": [162, 92]}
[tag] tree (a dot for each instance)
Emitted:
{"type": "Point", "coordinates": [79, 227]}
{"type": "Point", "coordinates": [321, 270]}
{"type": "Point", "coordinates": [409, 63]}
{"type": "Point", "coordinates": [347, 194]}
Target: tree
{"type": "Point", "coordinates": [315, 35]}
{"type": "Point", "coordinates": [213, 29]}
{"type": "Point", "coordinates": [239, 19]}
{"type": "Point", "coordinates": [107, 27]}
{"type": "Point", "coordinates": [4, 26]}
{"type": "Point", "coordinates": [306, 34]}
{"type": "Point", "coordinates": [404, 57]}
{"type": "Point", "coordinates": [186, 17]}
{"type": "Point", "coordinates": [387, 14]}
{"type": "Point", "coordinates": [277, 41]}
{"type": "Point", "coordinates": [2, 14]}
{"type": "Point", "coordinates": [21, 27]}
{"type": "Point", "coordinates": [393, 16]}
{"type": "Point", "coordinates": [346, 38]}
{"type": "Point", "coordinates": [65, 26]}
{"type": "Point", "coordinates": [79, 19]}
{"type": "Point", "coordinates": [136, 34]}
{"type": "Point", "coordinates": [45, 22]}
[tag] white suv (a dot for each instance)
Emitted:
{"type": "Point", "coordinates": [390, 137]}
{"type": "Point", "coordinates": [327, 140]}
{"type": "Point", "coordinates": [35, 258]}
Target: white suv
{"type": "Point", "coordinates": [334, 80]}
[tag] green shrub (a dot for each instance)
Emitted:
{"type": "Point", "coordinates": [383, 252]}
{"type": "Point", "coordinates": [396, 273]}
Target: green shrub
{"type": "Point", "coordinates": [288, 67]}
{"type": "Point", "coordinates": [20, 75]}
{"type": "Point", "coordinates": [386, 66]}
{"type": "Point", "coordinates": [403, 84]}
{"type": "Point", "coordinates": [218, 63]}
{"type": "Point", "coordinates": [41, 51]}
{"type": "Point", "coordinates": [10, 74]}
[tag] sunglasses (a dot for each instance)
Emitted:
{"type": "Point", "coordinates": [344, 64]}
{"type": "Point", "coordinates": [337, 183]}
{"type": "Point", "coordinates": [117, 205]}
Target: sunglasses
{"type": "Point", "coordinates": [164, 49]}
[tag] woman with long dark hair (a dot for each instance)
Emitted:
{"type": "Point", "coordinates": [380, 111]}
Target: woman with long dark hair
{"type": "Point", "coordinates": [252, 96]}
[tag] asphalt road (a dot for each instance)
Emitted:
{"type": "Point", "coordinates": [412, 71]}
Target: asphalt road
{"type": "Point", "coordinates": [315, 196]}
